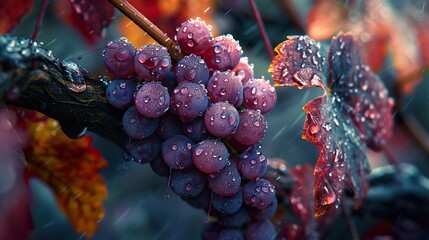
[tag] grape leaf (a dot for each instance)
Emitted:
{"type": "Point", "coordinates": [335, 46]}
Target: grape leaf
{"type": "Point", "coordinates": [70, 168]}
{"type": "Point", "coordinates": [167, 15]}
{"type": "Point", "coordinates": [11, 13]}
{"type": "Point", "coordinates": [383, 28]}
{"type": "Point", "coordinates": [354, 113]}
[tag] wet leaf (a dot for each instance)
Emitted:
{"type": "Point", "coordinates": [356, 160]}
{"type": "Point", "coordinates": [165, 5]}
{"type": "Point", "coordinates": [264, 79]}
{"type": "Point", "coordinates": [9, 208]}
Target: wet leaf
{"type": "Point", "coordinates": [11, 13]}
{"type": "Point", "coordinates": [383, 28]}
{"type": "Point", "coordinates": [167, 15]}
{"type": "Point", "coordinates": [353, 114]}
{"type": "Point", "coordinates": [71, 168]}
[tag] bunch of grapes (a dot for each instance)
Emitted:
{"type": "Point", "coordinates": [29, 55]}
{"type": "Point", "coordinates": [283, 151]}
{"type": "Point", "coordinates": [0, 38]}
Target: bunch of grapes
{"type": "Point", "coordinates": [199, 122]}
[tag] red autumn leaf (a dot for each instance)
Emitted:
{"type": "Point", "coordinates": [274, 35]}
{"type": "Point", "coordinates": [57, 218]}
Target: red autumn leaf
{"type": "Point", "coordinates": [382, 28]}
{"type": "Point", "coordinates": [11, 12]}
{"type": "Point", "coordinates": [353, 114]}
{"type": "Point", "coordinates": [71, 168]}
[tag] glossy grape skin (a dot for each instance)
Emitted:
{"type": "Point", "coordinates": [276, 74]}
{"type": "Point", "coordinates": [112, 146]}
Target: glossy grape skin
{"type": "Point", "coordinates": [176, 152]}
{"type": "Point", "coordinates": [263, 214]}
{"type": "Point", "coordinates": [137, 126]}
{"type": "Point", "coordinates": [152, 62]}
{"type": "Point", "coordinates": [221, 119]}
{"type": "Point", "coordinates": [187, 183]}
{"type": "Point", "coordinates": [210, 156]}
{"type": "Point", "coordinates": [259, 94]}
{"type": "Point", "coordinates": [259, 194]}
{"type": "Point", "coordinates": [120, 93]}
{"type": "Point", "coordinates": [225, 87]}
{"type": "Point", "coordinates": [152, 100]}
{"type": "Point", "coordinates": [223, 53]}
{"type": "Point", "coordinates": [189, 101]}
{"type": "Point", "coordinates": [193, 36]}
{"type": "Point", "coordinates": [244, 70]}
{"type": "Point", "coordinates": [119, 57]}
{"type": "Point", "coordinates": [252, 164]}
{"type": "Point", "coordinates": [226, 182]}
{"type": "Point", "coordinates": [192, 69]}
{"type": "Point", "coordinates": [251, 128]}
{"type": "Point", "coordinates": [227, 205]}
{"type": "Point", "coordinates": [196, 130]}
{"type": "Point", "coordinates": [260, 230]}
{"type": "Point", "coordinates": [143, 151]}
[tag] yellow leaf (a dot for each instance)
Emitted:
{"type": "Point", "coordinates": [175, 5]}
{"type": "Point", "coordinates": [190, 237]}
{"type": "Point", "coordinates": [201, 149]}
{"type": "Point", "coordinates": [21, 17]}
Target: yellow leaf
{"type": "Point", "coordinates": [70, 168]}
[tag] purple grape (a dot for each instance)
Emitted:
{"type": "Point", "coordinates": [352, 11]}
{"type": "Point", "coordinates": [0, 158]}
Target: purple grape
{"type": "Point", "coordinates": [230, 234]}
{"type": "Point", "coordinates": [202, 200]}
{"type": "Point", "coordinates": [193, 36]}
{"type": "Point", "coordinates": [252, 164]}
{"type": "Point", "coordinates": [152, 100]}
{"type": "Point", "coordinates": [143, 151]}
{"type": "Point", "coordinates": [251, 128]}
{"type": "Point", "coordinates": [244, 70]}
{"type": "Point", "coordinates": [137, 126]}
{"type": "Point", "coordinates": [237, 219]}
{"type": "Point", "coordinates": [169, 125]}
{"type": "Point", "coordinates": [176, 152]}
{"type": "Point", "coordinates": [169, 82]}
{"type": "Point", "coordinates": [210, 156]}
{"type": "Point", "coordinates": [187, 183]}
{"type": "Point", "coordinates": [259, 194]}
{"type": "Point", "coordinates": [196, 130]}
{"type": "Point", "coordinates": [119, 58]}
{"type": "Point", "coordinates": [225, 87]}
{"type": "Point", "coordinates": [227, 205]}
{"type": "Point", "coordinates": [260, 230]}
{"type": "Point", "coordinates": [159, 167]}
{"type": "Point", "coordinates": [221, 119]}
{"type": "Point", "coordinates": [192, 69]}
{"type": "Point", "coordinates": [226, 182]}
{"type": "Point", "coordinates": [263, 214]}
{"type": "Point", "coordinates": [223, 53]}
{"type": "Point", "coordinates": [152, 62]}
{"type": "Point", "coordinates": [120, 93]}
{"type": "Point", "coordinates": [189, 101]}
{"type": "Point", "coordinates": [259, 94]}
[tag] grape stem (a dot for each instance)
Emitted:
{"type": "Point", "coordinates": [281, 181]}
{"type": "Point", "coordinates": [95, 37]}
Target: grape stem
{"type": "Point", "coordinates": [146, 25]}
{"type": "Point", "coordinates": [262, 30]}
{"type": "Point", "coordinates": [40, 19]}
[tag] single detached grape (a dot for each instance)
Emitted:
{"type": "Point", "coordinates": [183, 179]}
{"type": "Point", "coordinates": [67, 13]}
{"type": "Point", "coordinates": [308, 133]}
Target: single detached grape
{"type": "Point", "coordinates": [251, 128]}
{"type": "Point", "coordinates": [138, 126]}
{"type": "Point", "coordinates": [227, 205]}
{"type": "Point", "coordinates": [193, 36]}
{"type": "Point", "coordinates": [259, 194]}
{"type": "Point", "coordinates": [260, 230]}
{"type": "Point", "coordinates": [210, 156]}
{"type": "Point", "coordinates": [226, 182]}
{"type": "Point", "coordinates": [189, 101]}
{"type": "Point", "coordinates": [143, 151]}
{"type": "Point", "coordinates": [252, 164]}
{"type": "Point", "coordinates": [192, 69]}
{"type": "Point", "coordinates": [244, 70]}
{"type": "Point", "coordinates": [170, 125]}
{"type": "Point", "coordinates": [187, 183]}
{"type": "Point", "coordinates": [224, 53]}
{"type": "Point", "coordinates": [221, 119]}
{"type": "Point", "coordinates": [176, 152]}
{"type": "Point", "coordinates": [225, 87]}
{"type": "Point", "coordinates": [119, 58]}
{"type": "Point", "coordinates": [259, 94]}
{"type": "Point", "coordinates": [152, 100]}
{"type": "Point", "coordinates": [196, 130]}
{"type": "Point", "coordinates": [120, 93]}
{"type": "Point", "coordinates": [152, 62]}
